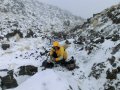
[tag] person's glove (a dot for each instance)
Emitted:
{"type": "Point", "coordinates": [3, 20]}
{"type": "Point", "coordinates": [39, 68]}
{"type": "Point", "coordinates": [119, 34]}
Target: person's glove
{"type": "Point", "coordinates": [54, 59]}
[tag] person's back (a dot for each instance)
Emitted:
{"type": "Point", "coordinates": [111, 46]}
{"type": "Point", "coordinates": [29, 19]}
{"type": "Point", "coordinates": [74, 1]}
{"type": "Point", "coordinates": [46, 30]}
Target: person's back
{"type": "Point", "coordinates": [58, 53]}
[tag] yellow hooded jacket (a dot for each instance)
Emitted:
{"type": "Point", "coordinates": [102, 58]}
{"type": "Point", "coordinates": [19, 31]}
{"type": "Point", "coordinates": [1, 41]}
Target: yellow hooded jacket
{"type": "Point", "coordinates": [61, 53]}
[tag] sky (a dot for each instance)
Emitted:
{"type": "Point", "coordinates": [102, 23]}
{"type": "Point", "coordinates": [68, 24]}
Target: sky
{"type": "Point", "coordinates": [83, 8]}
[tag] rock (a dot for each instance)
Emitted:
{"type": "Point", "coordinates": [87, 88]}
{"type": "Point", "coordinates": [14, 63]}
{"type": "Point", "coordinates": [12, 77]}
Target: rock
{"type": "Point", "coordinates": [113, 14]}
{"type": "Point", "coordinates": [111, 60]}
{"type": "Point", "coordinates": [111, 75]}
{"type": "Point", "coordinates": [9, 35]}
{"type": "Point", "coordinates": [101, 40]}
{"type": "Point", "coordinates": [28, 70]}
{"type": "Point", "coordinates": [5, 46]}
{"type": "Point", "coordinates": [97, 70]}
{"type": "Point", "coordinates": [115, 37]}
{"type": "Point", "coordinates": [114, 64]}
{"type": "Point", "coordinates": [89, 49]}
{"type": "Point", "coordinates": [78, 42]}
{"type": "Point", "coordinates": [118, 68]}
{"type": "Point", "coordinates": [30, 34]}
{"type": "Point", "coordinates": [116, 49]}
{"type": "Point", "coordinates": [118, 85]}
{"type": "Point", "coordinates": [67, 42]}
{"type": "Point", "coordinates": [108, 37]}
{"type": "Point", "coordinates": [110, 88]}
{"type": "Point", "coordinates": [8, 81]}
{"type": "Point", "coordinates": [1, 38]}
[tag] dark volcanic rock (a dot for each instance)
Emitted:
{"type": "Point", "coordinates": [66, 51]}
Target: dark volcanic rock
{"type": "Point", "coordinates": [101, 40]}
{"type": "Point", "coordinates": [5, 46]}
{"type": "Point", "coordinates": [12, 34]}
{"type": "Point", "coordinates": [8, 81]}
{"type": "Point", "coordinates": [118, 68]}
{"type": "Point", "coordinates": [28, 70]}
{"type": "Point", "coordinates": [111, 75]}
{"type": "Point", "coordinates": [111, 60]}
{"type": "Point", "coordinates": [110, 88]}
{"type": "Point", "coordinates": [116, 49]}
{"type": "Point", "coordinates": [97, 69]}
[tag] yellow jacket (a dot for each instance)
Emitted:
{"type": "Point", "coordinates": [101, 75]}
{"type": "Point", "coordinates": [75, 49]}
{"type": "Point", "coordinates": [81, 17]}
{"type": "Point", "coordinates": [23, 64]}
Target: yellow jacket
{"type": "Point", "coordinates": [61, 53]}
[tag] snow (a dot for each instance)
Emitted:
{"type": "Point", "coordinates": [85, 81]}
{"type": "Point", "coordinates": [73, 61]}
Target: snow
{"type": "Point", "coordinates": [58, 78]}
{"type": "Point", "coordinates": [26, 51]}
{"type": "Point", "coordinates": [55, 79]}
{"type": "Point", "coordinates": [44, 80]}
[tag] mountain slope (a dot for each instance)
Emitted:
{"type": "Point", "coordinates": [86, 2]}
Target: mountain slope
{"type": "Point", "coordinates": [32, 14]}
{"type": "Point", "coordinates": [95, 46]}
{"type": "Point", "coordinates": [99, 37]}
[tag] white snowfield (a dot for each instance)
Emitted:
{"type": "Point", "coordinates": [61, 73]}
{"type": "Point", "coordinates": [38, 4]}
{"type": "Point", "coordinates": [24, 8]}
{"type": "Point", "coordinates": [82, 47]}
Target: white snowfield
{"type": "Point", "coordinates": [44, 80]}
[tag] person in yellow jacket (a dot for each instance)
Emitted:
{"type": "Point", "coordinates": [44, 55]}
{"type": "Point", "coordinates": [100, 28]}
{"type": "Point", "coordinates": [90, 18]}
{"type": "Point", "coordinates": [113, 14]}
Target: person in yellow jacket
{"type": "Point", "coordinates": [58, 53]}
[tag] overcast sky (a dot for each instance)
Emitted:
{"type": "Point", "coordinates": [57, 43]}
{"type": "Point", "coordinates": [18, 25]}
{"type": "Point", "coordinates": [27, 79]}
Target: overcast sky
{"type": "Point", "coordinates": [83, 8]}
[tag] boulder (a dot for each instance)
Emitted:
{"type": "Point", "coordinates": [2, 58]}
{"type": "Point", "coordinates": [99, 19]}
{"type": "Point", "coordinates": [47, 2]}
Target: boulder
{"type": "Point", "coordinates": [116, 49]}
{"type": "Point", "coordinates": [28, 70]}
{"type": "Point", "coordinates": [100, 40]}
{"type": "Point", "coordinates": [8, 81]}
{"type": "Point", "coordinates": [111, 75]}
{"type": "Point", "coordinates": [5, 46]}
{"type": "Point", "coordinates": [111, 60]}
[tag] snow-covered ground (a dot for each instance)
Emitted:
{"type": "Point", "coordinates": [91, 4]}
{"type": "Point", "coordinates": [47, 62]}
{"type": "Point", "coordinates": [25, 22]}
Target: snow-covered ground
{"type": "Point", "coordinates": [25, 51]}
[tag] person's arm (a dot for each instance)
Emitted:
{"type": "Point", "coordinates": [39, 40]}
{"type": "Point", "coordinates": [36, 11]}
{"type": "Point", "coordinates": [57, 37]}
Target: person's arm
{"type": "Point", "coordinates": [61, 55]}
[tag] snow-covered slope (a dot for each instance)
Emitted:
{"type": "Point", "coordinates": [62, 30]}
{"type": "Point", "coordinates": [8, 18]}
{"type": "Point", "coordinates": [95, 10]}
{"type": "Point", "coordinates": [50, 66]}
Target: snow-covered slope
{"type": "Point", "coordinates": [95, 45]}
{"type": "Point", "coordinates": [24, 15]}
{"type": "Point", "coordinates": [46, 82]}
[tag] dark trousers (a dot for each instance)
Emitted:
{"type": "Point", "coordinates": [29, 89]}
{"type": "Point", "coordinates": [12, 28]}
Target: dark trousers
{"type": "Point", "coordinates": [62, 62]}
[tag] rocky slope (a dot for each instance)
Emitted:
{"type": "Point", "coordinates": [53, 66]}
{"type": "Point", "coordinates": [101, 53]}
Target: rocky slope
{"type": "Point", "coordinates": [101, 33]}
